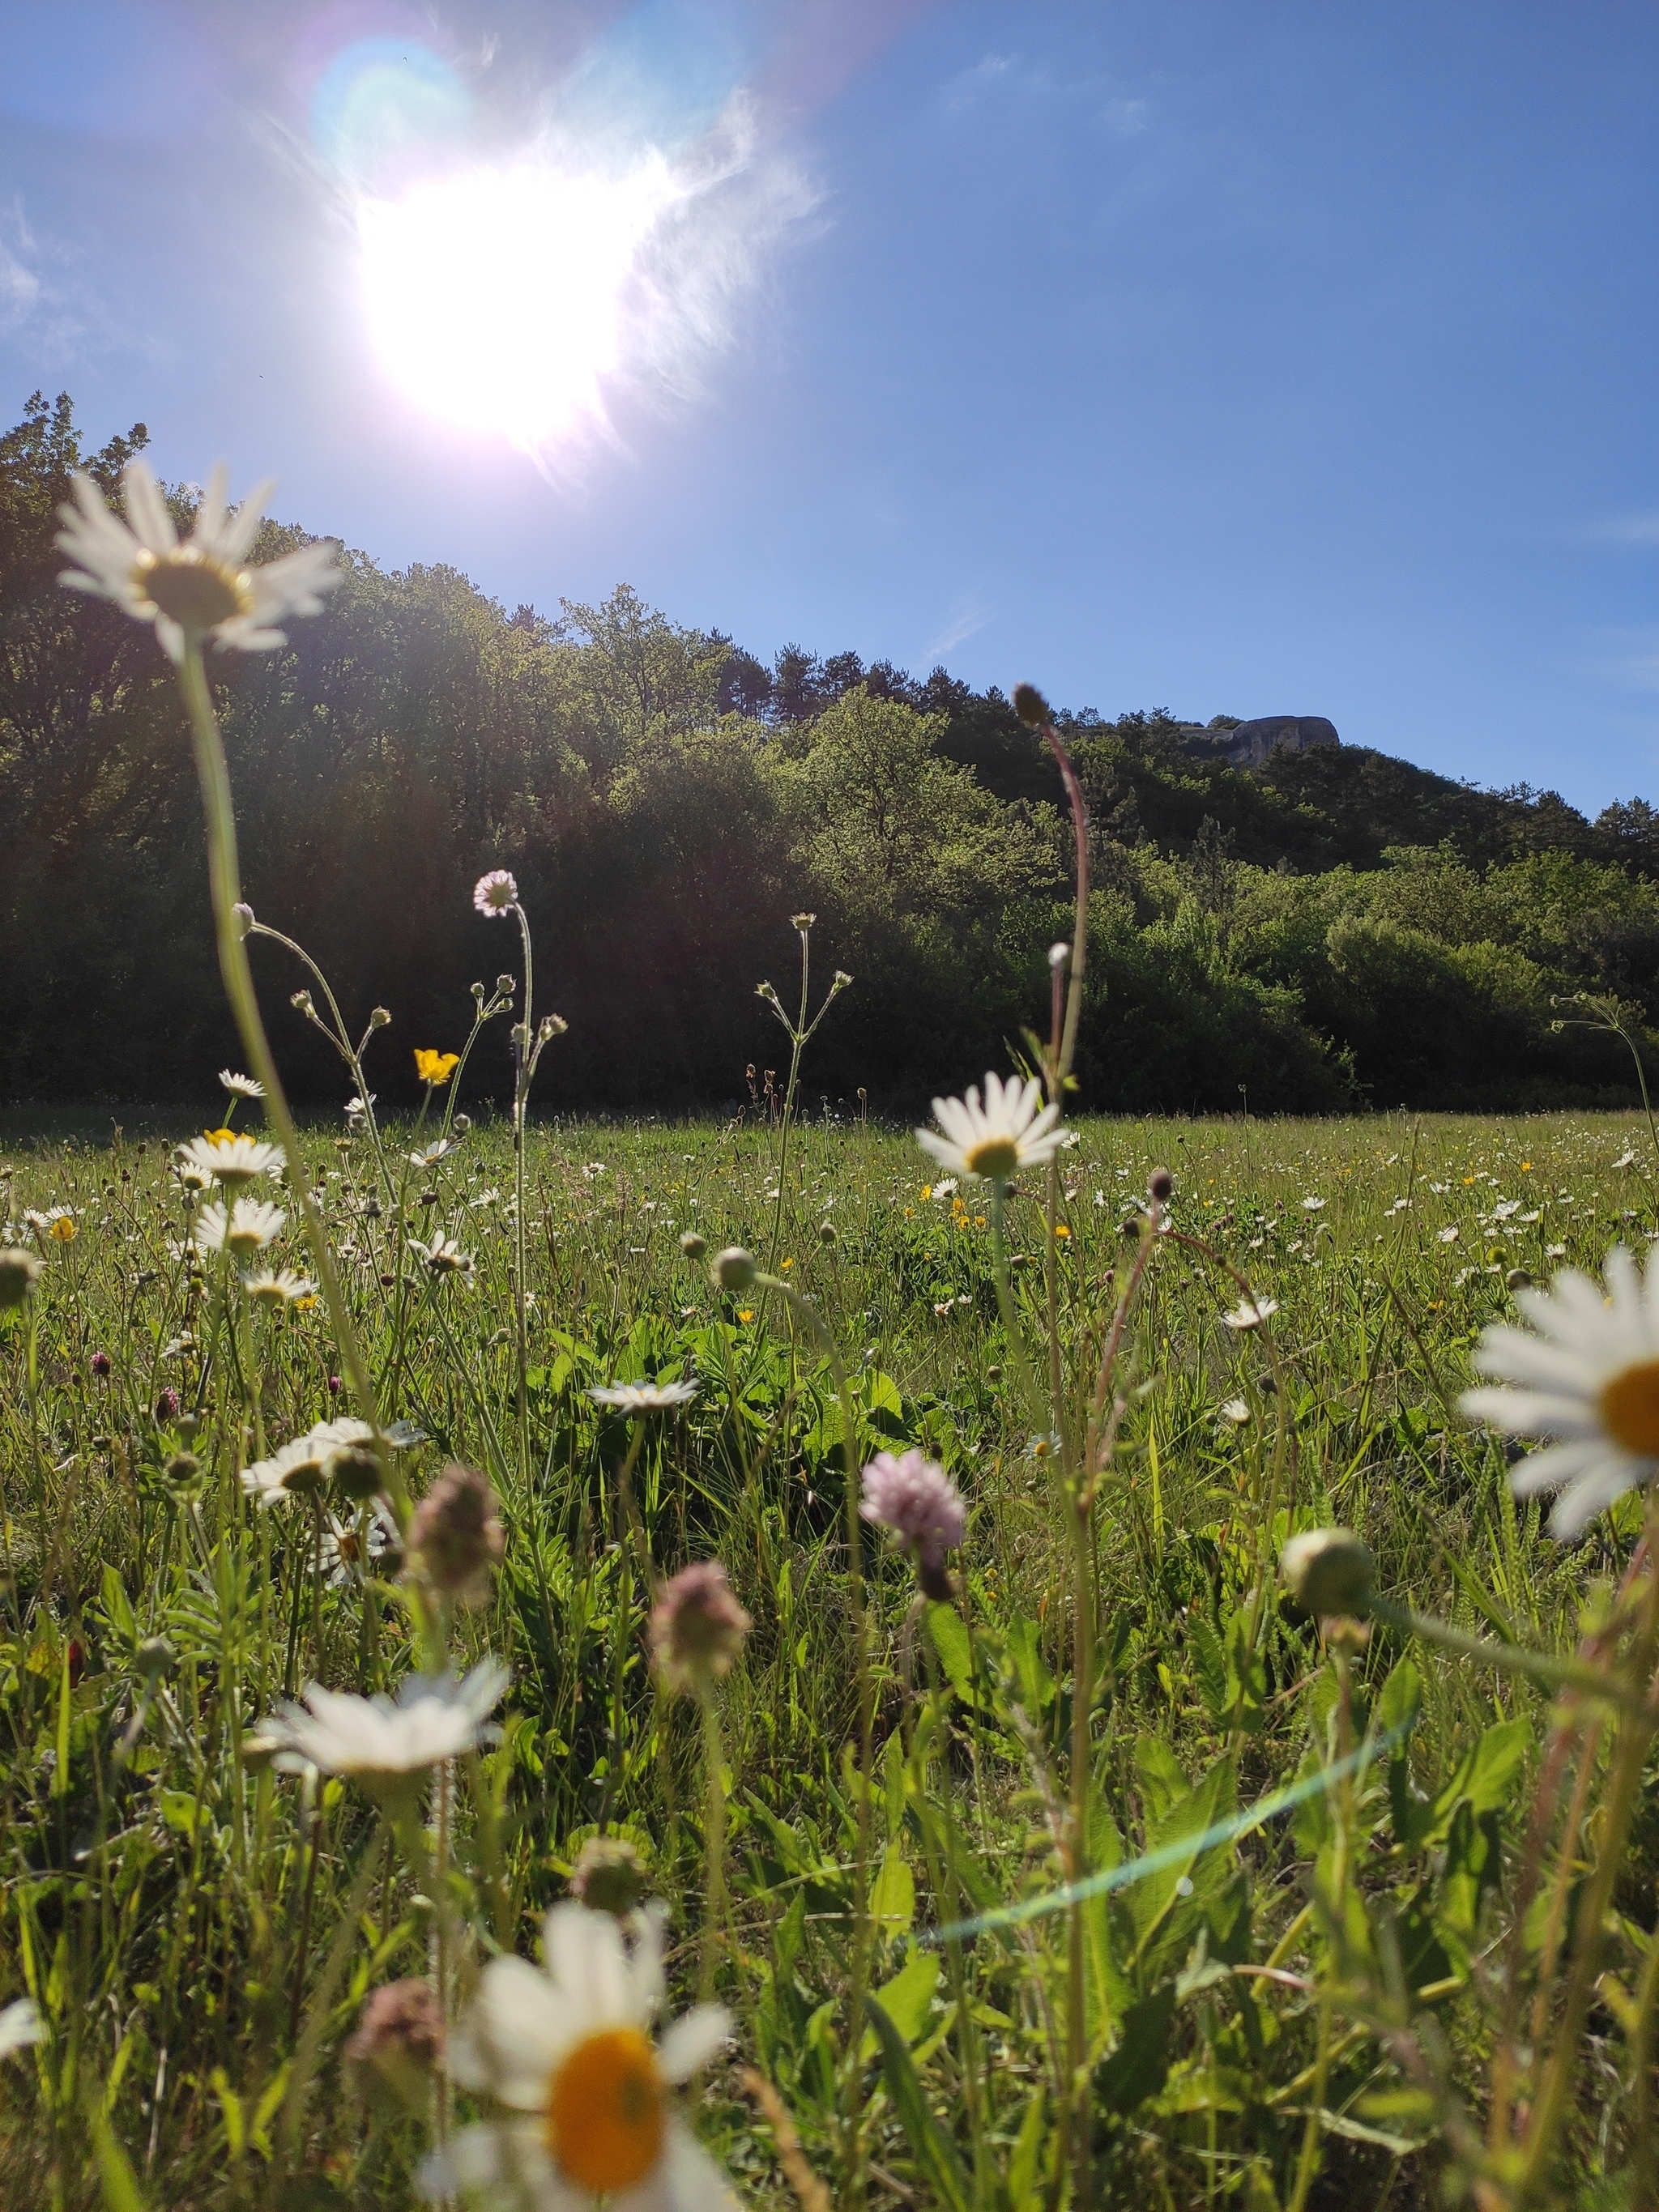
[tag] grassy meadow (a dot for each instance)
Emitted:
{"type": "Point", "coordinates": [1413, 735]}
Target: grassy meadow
{"type": "Point", "coordinates": [1349, 2001]}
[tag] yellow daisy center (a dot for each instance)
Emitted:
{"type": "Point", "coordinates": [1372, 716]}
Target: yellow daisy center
{"type": "Point", "coordinates": [199, 593]}
{"type": "Point", "coordinates": [995, 1157]}
{"type": "Point", "coordinates": [1630, 1408]}
{"type": "Point", "coordinates": [244, 1240]}
{"type": "Point", "coordinates": [605, 2111]}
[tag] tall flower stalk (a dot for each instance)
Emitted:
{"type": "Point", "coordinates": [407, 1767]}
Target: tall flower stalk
{"type": "Point", "coordinates": [799, 1031]}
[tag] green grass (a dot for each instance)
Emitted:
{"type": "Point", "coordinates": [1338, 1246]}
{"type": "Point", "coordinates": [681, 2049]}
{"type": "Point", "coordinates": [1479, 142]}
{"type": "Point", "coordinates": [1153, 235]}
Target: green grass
{"type": "Point", "coordinates": [175, 1906]}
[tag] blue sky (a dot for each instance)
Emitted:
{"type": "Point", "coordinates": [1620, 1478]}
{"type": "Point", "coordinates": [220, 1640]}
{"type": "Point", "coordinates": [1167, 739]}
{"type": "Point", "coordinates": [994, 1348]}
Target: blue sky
{"type": "Point", "coordinates": [1230, 357]}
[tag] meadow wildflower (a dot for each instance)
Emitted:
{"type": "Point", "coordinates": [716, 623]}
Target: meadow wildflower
{"type": "Point", "coordinates": [387, 1743]}
{"type": "Point", "coordinates": [567, 2053]}
{"type": "Point", "coordinates": [443, 1256]}
{"type": "Point", "coordinates": [1328, 1572]}
{"type": "Point", "coordinates": [246, 1227]}
{"type": "Point", "coordinates": [644, 1397]}
{"type": "Point", "coordinates": [20, 1272]}
{"type": "Point", "coordinates": [456, 1539]}
{"type": "Point", "coordinates": [202, 588]}
{"type": "Point", "coordinates": [241, 1086]}
{"type": "Point", "coordinates": [436, 1068]}
{"type": "Point", "coordinates": [697, 1629]}
{"type": "Point", "coordinates": [20, 2025]}
{"type": "Point", "coordinates": [348, 1552]}
{"type": "Point", "coordinates": [609, 1876]}
{"type": "Point", "coordinates": [101, 1365]}
{"type": "Point", "coordinates": [1251, 1313]}
{"type": "Point", "coordinates": [298, 1469]}
{"type": "Point", "coordinates": [399, 2039]}
{"type": "Point", "coordinates": [1011, 1130]}
{"type": "Point", "coordinates": [278, 1286]}
{"type": "Point", "coordinates": [224, 1157]}
{"type": "Point", "coordinates": [1587, 1376]}
{"type": "Point", "coordinates": [497, 893]}
{"type": "Point", "coordinates": [916, 1502]}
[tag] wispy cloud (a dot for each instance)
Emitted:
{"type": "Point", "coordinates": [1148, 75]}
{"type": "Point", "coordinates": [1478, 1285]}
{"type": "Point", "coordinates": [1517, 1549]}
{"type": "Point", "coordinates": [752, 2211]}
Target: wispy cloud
{"type": "Point", "coordinates": [39, 296]}
{"type": "Point", "coordinates": [1628, 658]}
{"type": "Point", "coordinates": [961, 626]}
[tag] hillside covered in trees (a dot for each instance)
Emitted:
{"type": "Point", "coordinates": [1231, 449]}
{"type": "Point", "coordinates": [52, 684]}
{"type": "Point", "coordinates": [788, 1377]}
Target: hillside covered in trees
{"type": "Point", "coordinates": [1336, 927]}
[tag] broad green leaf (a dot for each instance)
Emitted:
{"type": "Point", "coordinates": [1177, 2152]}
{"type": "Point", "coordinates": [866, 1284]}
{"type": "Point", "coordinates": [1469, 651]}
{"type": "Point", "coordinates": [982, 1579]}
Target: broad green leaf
{"type": "Point", "coordinates": [935, 2153]}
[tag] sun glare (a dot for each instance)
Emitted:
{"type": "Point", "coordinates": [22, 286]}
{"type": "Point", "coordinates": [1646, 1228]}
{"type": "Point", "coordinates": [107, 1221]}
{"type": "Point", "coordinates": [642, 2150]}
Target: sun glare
{"type": "Point", "coordinates": [499, 298]}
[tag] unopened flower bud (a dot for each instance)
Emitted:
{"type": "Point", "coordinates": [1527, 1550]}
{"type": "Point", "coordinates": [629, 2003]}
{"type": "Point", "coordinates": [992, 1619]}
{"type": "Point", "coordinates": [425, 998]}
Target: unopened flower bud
{"type": "Point", "coordinates": [826, 1233]}
{"type": "Point", "coordinates": [1328, 1572]}
{"type": "Point", "coordinates": [456, 1538]}
{"type": "Point", "coordinates": [1517, 1279]}
{"type": "Point", "coordinates": [698, 1627]}
{"type": "Point", "coordinates": [735, 1269]}
{"type": "Point", "coordinates": [1059, 954]}
{"type": "Point", "coordinates": [303, 1003]}
{"type": "Point", "coordinates": [182, 1469]}
{"type": "Point", "coordinates": [506, 985]}
{"type": "Point", "coordinates": [693, 1245]}
{"type": "Point", "coordinates": [550, 1026]}
{"type": "Point", "coordinates": [1031, 706]}
{"type": "Point", "coordinates": [20, 1272]}
{"type": "Point", "coordinates": [478, 992]}
{"type": "Point", "coordinates": [242, 914]}
{"type": "Point", "coordinates": [399, 2041]}
{"type": "Point", "coordinates": [1160, 1186]}
{"type": "Point", "coordinates": [155, 1658]}
{"type": "Point", "coordinates": [355, 1471]}
{"type": "Point", "coordinates": [609, 1876]}
{"type": "Point", "coordinates": [461, 1124]}
{"type": "Point", "coordinates": [380, 1019]}
{"type": "Point", "coordinates": [100, 1363]}
{"type": "Point", "coordinates": [167, 1404]}
{"type": "Point", "coordinates": [841, 980]}
{"type": "Point", "coordinates": [766, 990]}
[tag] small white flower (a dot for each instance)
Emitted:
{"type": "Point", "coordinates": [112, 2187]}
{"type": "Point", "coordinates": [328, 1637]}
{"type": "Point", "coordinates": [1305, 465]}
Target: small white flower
{"type": "Point", "coordinates": [645, 1397]}
{"type": "Point", "coordinates": [444, 1256]}
{"type": "Point", "coordinates": [1448, 1234]}
{"type": "Point", "coordinates": [947, 1187]}
{"type": "Point", "coordinates": [198, 590]}
{"type": "Point", "coordinates": [21, 2024]}
{"type": "Point", "coordinates": [240, 1086]}
{"type": "Point", "coordinates": [1012, 1130]}
{"type": "Point", "coordinates": [387, 1743]}
{"type": "Point", "coordinates": [1505, 1208]}
{"type": "Point", "coordinates": [496, 893]}
{"type": "Point", "coordinates": [297, 1470]}
{"type": "Point", "coordinates": [359, 1110]}
{"type": "Point", "coordinates": [1589, 1376]}
{"type": "Point", "coordinates": [1251, 1313]}
{"type": "Point", "coordinates": [1625, 1160]}
{"type": "Point", "coordinates": [229, 1160]}
{"type": "Point", "coordinates": [278, 1286]}
{"type": "Point", "coordinates": [586, 2113]}
{"type": "Point", "coordinates": [439, 1150]}
{"type": "Point", "coordinates": [1312, 1205]}
{"type": "Point", "coordinates": [246, 1227]}
{"type": "Point", "coordinates": [1236, 1411]}
{"type": "Point", "coordinates": [348, 1551]}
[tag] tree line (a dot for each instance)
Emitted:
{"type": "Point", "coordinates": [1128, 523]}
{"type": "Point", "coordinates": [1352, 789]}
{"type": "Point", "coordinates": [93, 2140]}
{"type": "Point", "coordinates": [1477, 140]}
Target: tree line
{"type": "Point", "coordinates": [1335, 928]}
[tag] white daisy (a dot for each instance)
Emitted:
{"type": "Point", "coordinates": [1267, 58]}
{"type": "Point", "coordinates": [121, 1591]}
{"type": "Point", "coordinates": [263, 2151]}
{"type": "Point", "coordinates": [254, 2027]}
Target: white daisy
{"type": "Point", "coordinates": [438, 1150]}
{"type": "Point", "coordinates": [1251, 1313]}
{"type": "Point", "coordinates": [1589, 1376]}
{"type": "Point", "coordinates": [645, 1397]}
{"type": "Point", "coordinates": [278, 1286]}
{"type": "Point", "coordinates": [21, 2024]}
{"type": "Point", "coordinates": [444, 1256]}
{"type": "Point", "coordinates": [348, 1551]}
{"type": "Point", "coordinates": [585, 2092]}
{"type": "Point", "coordinates": [386, 1744]}
{"type": "Point", "coordinates": [197, 590]}
{"type": "Point", "coordinates": [246, 1228]}
{"type": "Point", "coordinates": [1012, 1130]}
{"type": "Point", "coordinates": [298, 1469]}
{"type": "Point", "coordinates": [240, 1086]}
{"type": "Point", "coordinates": [227, 1159]}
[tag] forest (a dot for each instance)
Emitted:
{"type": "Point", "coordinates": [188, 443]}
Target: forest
{"type": "Point", "coordinates": [1335, 930]}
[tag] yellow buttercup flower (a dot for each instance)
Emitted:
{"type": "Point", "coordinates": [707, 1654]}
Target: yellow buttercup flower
{"type": "Point", "coordinates": [64, 1229]}
{"type": "Point", "coordinates": [436, 1068]}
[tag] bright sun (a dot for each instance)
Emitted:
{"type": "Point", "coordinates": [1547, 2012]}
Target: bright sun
{"type": "Point", "coordinates": [499, 298]}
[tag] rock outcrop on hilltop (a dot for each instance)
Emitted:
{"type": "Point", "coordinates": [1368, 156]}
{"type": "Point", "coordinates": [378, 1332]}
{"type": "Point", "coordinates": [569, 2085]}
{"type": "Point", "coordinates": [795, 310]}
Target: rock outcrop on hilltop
{"type": "Point", "coordinates": [1251, 743]}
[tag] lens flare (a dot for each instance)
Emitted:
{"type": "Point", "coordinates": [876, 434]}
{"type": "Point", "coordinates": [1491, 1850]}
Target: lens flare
{"type": "Point", "coordinates": [499, 298]}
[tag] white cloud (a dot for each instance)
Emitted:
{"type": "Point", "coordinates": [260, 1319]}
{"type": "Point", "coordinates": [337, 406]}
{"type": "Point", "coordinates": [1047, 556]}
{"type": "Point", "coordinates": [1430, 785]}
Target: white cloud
{"type": "Point", "coordinates": [1629, 529]}
{"type": "Point", "coordinates": [961, 626]}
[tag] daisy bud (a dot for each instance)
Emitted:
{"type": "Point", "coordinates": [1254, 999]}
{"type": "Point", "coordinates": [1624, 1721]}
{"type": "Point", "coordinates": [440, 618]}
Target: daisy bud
{"type": "Point", "coordinates": [609, 1876]}
{"type": "Point", "coordinates": [355, 1472]}
{"type": "Point", "coordinates": [692, 1245]}
{"type": "Point", "coordinates": [1160, 1186]}
{"type": "Point", "coordinates": [456, 1538]}
{"type": "Point", "coordinates": [380, 1019]}
{"type": "Point", "coordinates": [242, 914]}
{"type": "Point", "coordinates": [698, 1627]}
{"type": "Point", "coordinates": [1328, 1572]}
{"type": "Point", "coordinates": [1031, 706]}
{"type": "Point", "coordinates": [19, 1273]}
{"type": "Point", "coordinates": [735, 1269]}
{"type": "Point", "coordinates": [399, 2040]}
